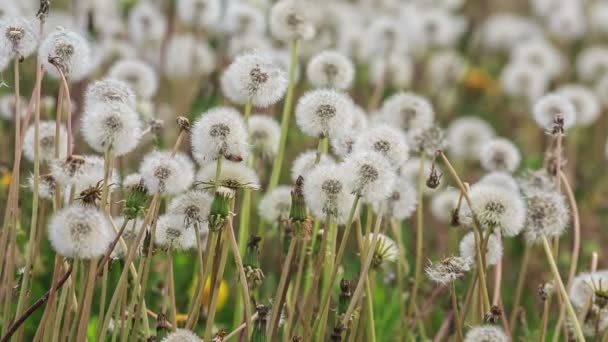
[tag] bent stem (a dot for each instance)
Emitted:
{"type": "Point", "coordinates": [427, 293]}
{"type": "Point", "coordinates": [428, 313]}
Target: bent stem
{"type": "Point", "coordinates": [562, 289]}
{"type": "Point", "coordinates": [278, 161]}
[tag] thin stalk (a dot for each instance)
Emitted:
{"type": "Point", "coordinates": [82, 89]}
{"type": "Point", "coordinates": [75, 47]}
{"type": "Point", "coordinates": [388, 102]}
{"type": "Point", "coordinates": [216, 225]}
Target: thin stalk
{"type": "Point", "coordinates": [562, 290]}
{"type": "Point", "coordinates": [457, 319]}
{"type": "Point", "coordinates": [521, 277]}
{"type": "Point", "coordinates": [419, 236]}
{"type": "Point", "coordinates": [196, 303]}
{"type": "Point", "coordinates": [278, 160]}
{"type": "Point", "coordinates": [401, 272]}
{"type": "Point", "coordinates": [242, 277]}
{"type": "Point", "coordinates": [215, 286]}
{"type": "Point", "coordinates": [107, 174]}
{"type": "Point", "coordinates": [328, 267]}
{"type": "Point", "coordinates": [68, 104]}
{"type": "Point", "coordinates": [87, 301]}
{"type": "Point", "coordinates": [296, 288]}
{"type": "Point", "coordinates": [275, 312]}
{"type": "Point", "coordinates": [369, 306]}
{"type": "Point", "coordinates": [43, 324]}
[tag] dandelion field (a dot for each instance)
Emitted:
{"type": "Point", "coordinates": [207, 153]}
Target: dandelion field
{"type": "Point", "coordinates": [303, 170]}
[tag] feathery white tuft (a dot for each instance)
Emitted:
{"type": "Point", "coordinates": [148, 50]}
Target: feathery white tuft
{"type": "Point", "coordinates": [489, 333]}
{"type": "Point", "coordinates": [306, 162]}
{"type": "Point", "coordinates": [548, 215]}
{"type": "Point", "coordinates": [386, 140]}
{"type": "Point", "coordinates": [138, 74]}
{"type": "Point", "coordinates": [326, 193]}
{"type": "Point", "coordinates": [46, 139]}
{"type": "Point", "coordinates": [111, 125]}
{"type": "Point", "coordinates": [468, 248]}
{"type": "Point", "coordinates": [276, 204]}
{"type": "Point", "coordinates": [402, 201]}
{"type": "Point", "coordinates": [181, 335]}
{"type": "Point", "coordinates": [146, 24]}
{"type": "Point", "coordinates": [69, 51]}
{"type": "Point", "coordinates": [199, 13]}
{"type": "Point", "coordinates": [18, 37]}
{"type": "Point", "coordinates": [109, 90]}
{"type": "Point", "coordinates": [173, 233]}
{"type": "Point", "coordinates": [324, 112]}
{"type": "Point", "coordinates": [396, 70]}
{"type": "Point", "coordinates": [585, 102]}
{"type": "Point", "coordinates": [443, 203]}
{"type": "Point", "coordinates": [370, 175]}
{"type": "Point", "coordinates": [163, 173]}
{"type": "Point", "coordinates": [448, 269]}
{"type": "Point", "coordinates": [523, 80]}
{"type": "Point", "coordinates": [499, 154]}
{"type": "Point", "coordinates": [552, 107]}
{"type": "Point", "coordinates": [501, 179]}
{"type": "Point", "coordinates": [217, 133]}
{"type": "Point", "coordinates": [466, 135]}
{"type": "Point", "coordinates": [188, 57]}
{"type": "Point", "coordinates": [330, 69]}
{"type": "Point", "coordinates": [408, 111]}
{"type": "Point", "coordinates": [291, 19]}
{"type": "Point", "coordinates": [193, 205]}
{"type": "Point", "coordinates": [264, 135]}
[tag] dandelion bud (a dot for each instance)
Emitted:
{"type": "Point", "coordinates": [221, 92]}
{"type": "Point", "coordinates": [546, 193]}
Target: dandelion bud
{"type": "Point", "coordinates": [256, 78]}
{"type": "Point", "coordinates": [547, 216]}
{"type": "Point", "coordinates": [371, 176]}
{"type": "Point", "coordinates": [486, 333]}
{"type": "Point", "coordinates": [408, 111]}
{"type": "Point", "coordinates": [386, 250]}
{"type": "Point", "coordinates": [253, 272]}
{"type": "Point", "coordinates": [111, 125]}
{"type": "Point", "coordinates": [181, 335]}
{"type": "Point", "coordinates": [46, 139]}
{"type": "Point", "coordinates": [164, 173]}
{"type": "Point", "coordinates": [264, 134]}
{"type": "Point", "coordinates": [448, 269]}
{"type": "Point", "coordinates": [290, 19]}
{"type": "Point", "coordinates": [345, 296]}
{"type": "Point", "coordinates": [140, 76]}
{"type": "Point", "coordinates": [163, 327]}
{"type": "Point", "coordinates": [324, 112]}
{"type": "Point", "coordinates": [545, 290]}
{"type": "Point", "coordinates": [306, 162]}
{"type": "Point", "coordinates": [18, 37]}
{"type": "Point", "coordinates": [67, 51]}
{"type": "Point", "coordinates": [330, 69]}
{"type": "Point", "coordinates": [493, 250]}
{"type": "Point", "coordinates": [234, 176]}
{"type": "Point", "coordinates": [300, 222]}
{"type": "Point", "coordinates": [499, 154]}
{"type": "Point", "coordinates": [217, 133]}
{"type": "Point", "coordinates": [466, 135]}
{"type": "Point", "coordinates": [326, 193]}
{"type": "Point", "coordinates": [220, 208]}
{"type": "Point", "coordinates": [554, 109]}
{"type": "Point", "coordinates": [80, 232]}
{"type": "Point", "coordinates": [387, 141]}
{"type": "Point", "coordinates": [259, 327]}
{"type": "Point", "coordinates": [136, 200]}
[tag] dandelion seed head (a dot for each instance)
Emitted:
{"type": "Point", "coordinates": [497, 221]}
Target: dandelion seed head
{"type": "Point", "coordinates": [264, 135]}
{"type": "Point", "coordinates": [386, 140]}
{"type": "Point", "coordinates": [371, 175]}
{"type": "Point", "coordinates": [306, 162]}
{"type": "Point", "coordinates": [18, 37]}
{"type": "Point", "coordinates": [499, 154]}
{"type": "Point", "coordinates": [46, 139]}
{"type": "Point", "coordinates": [330, 69]}
{"type": "Point", "coordinates": [80, 232]}
{"type": "Point", "coordinates": [7, 106]}
{"type": "Point", "coordinates": [442, 204]}
{"type": "Point", "coordinates": [548, 215]}
{"type": "Point", "coordinates": [68, 51]}
{"type": "Point", "coordinates": [493, 252]}
{"type": "Point", "coordinates": [539, 180]}
{"type": "Point", "coordinates": [166, 174]}
{"type": "Point", "coordinates": [188, 57]}
{"type": "Point", "coordinates": [567, 23]}
{"type": "Point", "coordinates": [146, 24]}
{"type": "Point", "coordinates": [172, 232]}
{"type": "Point", "coordinates": [324, 112]}
{"type": "Point", "coordinates": [384, 36]}
{"type": "Point", "coordinates": [552, 107]}
{"type": "Point", "coordinates": [500, 179]}
{"type": "Point", "coordinates": [217, 133]}
{"type": "Point", "coordinates": [585, 102]}
{"type": "Point", "coordinates": [234, 175]}
{"type": "Point", "coordinates": [592, 63]}
{"type": "Point", "coordinates": [446, 68]}
{"type": "Point", "coordinates": [408, 111]}
{"type": "Point", "coordinates": [46, 186]}
{"type": "Point", "coordinates": [448, 269]}
{"type": "Point", "coordinates": [523, 80]}
{"type": "Point", "coordinates": [182, 335]}
{"type": "Point", "coordinates": [139, 75]}
{"type": "Point", "coordinates": [131, 180]}
{"type": "Point", "coordinates": [109, 90]}
{"type": "Point", "coordinates": [326, 193]}
{"type": "Point", "coordinates": [440, 27]}
{"type": "Point", "coordinates": [396, 70]}
{"type": "Point", "coordinates": [541, 55]}
{"type": "Point", "coordinates": [411, 171]}
{"type": "Point", "coordinates": [486, 333]}
{"type": "Point", "coordinates": [402, 201]}
{"type": "Point", "coordinates": [291, 19]}
{"type": "Point", "coordinates": [427, 140]}
{"type": "Point", "coordinates": [199, 13]}
{"type": "Point", "coordinates": [495, 207]}
{"type": "Point", "coordinates": [81, 172]}
{"type": "Point", "coordinates": [276, 204]}
{"type": "Point", "coordinates": [503, 30]}
{"type": "Point", "coordinates": [193, 205]}
{"type": "Point", "coordinates": [244, 18]}
{"type": "Point", "coordinates": [254, 76]}
{"type": "Point", "coordinates": [466, 135]}
{"type": "Point", "coordinates": [111, 125]}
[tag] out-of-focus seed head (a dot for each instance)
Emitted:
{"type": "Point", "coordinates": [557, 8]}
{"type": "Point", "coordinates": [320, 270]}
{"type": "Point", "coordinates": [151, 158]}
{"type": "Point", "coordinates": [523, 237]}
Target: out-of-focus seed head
{"type": "Point", "coordinates": [330, 69]}
{"type": "Point", "coordinates": [427, 140]}
{"type": "Point", "coordinates": [193, 205]}
{"type": "Point", "coordinates": [18, 37]}
{"type": "Point", "coordinates": [146, 24]}
{"type": "Point", "coordinates": [188, 57]}
{"type": "Point", "coordinates": [244, 18]}
{"type": "Point", "coordinates": [408, 111]}
{"type": "Point", "coordinates": [548, 215]}
{"type": "Point", "coordinates": [553, 109]}
{"type": "Point", "coordinates": [138, 74]}
{"type": "Point", "coordinates": [46, 139]}
{"type": "Point", "coordinates": [306, 162]}
{"type": "Point", "coordinates": [499, 154]}
{"type": "Point", "coordinates": [501, 179]}
{"type": "Point", "coordinates": [291, 19]}
{"type": "Point", "coordinates": [448, 269]}
{"type": "Point", "coordinates": [523, 80]}
{"type": "Point", "coordinates": [592, 63]}
{"type": "Point", "coordinates": [466, 135]}
{"type": "Point", "coordinates": [493, 250]}
{"type": "Point", "coordinates": [46, 186]}
{"type": "Point", "coordinates": [585, 102]}
{"type": "Point", "coordinates": [443, 203]}
{"type": "Point", "coordinates": [394, 70]}
{"type": "Point", "coordinates": [276, 204]}
{"type": "Point", "coordinates": [541, 55]}
{"type": "Point", "coordinates": [199, 13]}
{"type": "Point", "coordinates": [490, 333]}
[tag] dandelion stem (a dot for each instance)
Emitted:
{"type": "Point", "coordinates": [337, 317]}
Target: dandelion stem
{"type": "Point", "coordinates": [275, 312]}
{"type": "Point", "coordinates": [562, 290]}
{"type": "Point", "coordinates": [419, 236]}
{"type": "Point", "coordinates": [457, 319]}
{"type": "Point", "coordinates": [242, 277]}
{"type": "Point", "coordinates": [87, 301]}
{"type": "Point", "coordinates": [278, 161]}
{"type": "Point", "coordinates": [215, 287]}
{"type": "Point", "coordinates": [520, 287]}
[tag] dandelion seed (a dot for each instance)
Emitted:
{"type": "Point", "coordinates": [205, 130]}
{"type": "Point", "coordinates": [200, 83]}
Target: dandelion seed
{"type": "Point", "coordinates": [140, 76]}
{"type": "Point", "coordinates": [547, 215]}
{"type": "Point", "coordinates": [330, 69]}
{"type": "Point", "coordinates": [163, 173]}
{"type": "Point", "coordinates": [323, 112]}
{"type": "Point", "coordinates": [7, 106]}
{"type": "Point", "coordinates": [408, 111]}
{"type": "Point", "coordinates": [306, 162]}
{"type": "Point", "coordinates": [486, 333]}
{"type": "Point", "coordinates": [173, 233]}
{"type": "Point", "coordinates": [499, 154]}
{"type": "Point", "coordinates": [493, 251]}
{"type": "Point", "coordinates": [111, 125]}
{"type": "Point", "coordinates": [234, 175]}
{"type": "Point", "coordinates": [80, 232]}
{"type": "Point", "coordinates": [448, 270]}
{"type": "Point", "coordinates": [46, 140]}
{"type": "Point", "coordinates": [218, 133]}
{"type": "Point", "coordinates": [386, 140]}
{"type": "Point", "coordinates": [371, 176]}
{"type": "Point", "coordinates": [18, 37]}
{"type": "Point", "coordinates": [276, 204]}
{"type": "Point", "coordinates": [67, 51]}
{"type": "Point", "coordinates": [326, 193]}
{"type": "Point", "coordinates": [290, 19]}
{"type": "Point", "coordinates": [552, 108]}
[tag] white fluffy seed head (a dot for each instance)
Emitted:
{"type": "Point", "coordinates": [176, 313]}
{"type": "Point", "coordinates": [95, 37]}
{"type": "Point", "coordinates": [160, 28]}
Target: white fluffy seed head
{"type": "Point", "coordinates": [488, 333]}
{"type": "Point", "coordinates": [386, 140]}
{"type": "Point", "coordinates": [220, 132]}
{"type": "Point", "coordinates": [244, 18]}
{"type": "Point", "coordinates": [234, 175]}
{"type": "Point", "coordinates": [326, 193]}
{"type": "Point", "coordinates": [46, 139]}
{"type": "Point", "coordinates": [495, 207]}
{"type": "Point", "coordinates": [181, 335]}
{"type": "Point", "coordinates": [501, 179]}
{"type": "Point", "coordinates": [548, 215]}
{"type": "Point", "coordinates": [193, 205]}
{"type": "Point", "coordinates": [541, 55]}
{"type": "Point", "coordinates": [188, 57]}
{"type": "Point", "coordinates": [199, 13]}
{"type": "Point", "coordinates": [109, 90]}
{"type": "Point", "coordinates": [592, 63]}
{"type": "Point", "coordinates": [7, 106]}
{"type": "Point", "coordinates": [443, 203]}
{"type": "Point", "coordinates": [255, 77]}
{"type": "Point", "coordinates": [402, 200]}
{"type": "Point", "coordinates": [324, 112]}
{"type": "Point", "coordinates": [523, 80]}
{"type": "Point", "coordinates": [46, 186]}
{"type": "Point", "coordinates": [306, 162]}
{"type": "Point", "coordinates": [386, 250]}
{"type": "Point", "coordinates": [539, 180]}
{"type": "Point", "coordinates": [291, 19]}
{"type": "Point", "coordinates": [18, 37]}
{"type": "Point", "coordinates": [68, 51]}
{"type": "Point", "coordinates": [411, 170]}
{"type": "Point", "coordinates": [396, 70]}
{"type": "Point", "coordinates": [468, 248]}
{"type": "Point", "coordinates": [466, 135]}
{"type": "Point", "coordinates": [408, 111]}
{"type": "Point", "coordinates": [166, 174]}
{"type": "Point", "coordinates": [448, 270]}
{"type": "Point", "coordinates": [384, 36]}
{"type": "Point", "coordinates": [111, 125]}
{"type": "Point", "coordinates": [138, 74]}
{"type": "Point", "coordinates": [552, 108]}
{"type": "Point", "coordinates": [146, 24]}
{"type": "Point", "coordinates": [330, 69]}
{"type": "Point", "coordinates": [370, 175]}
{"type": "Point", "coordinates": [588, 296]}
{"type": "Point", "coordinates": [427, 140]}
{"type": "Point", "coordinates": [585, 102]}
{"type": "Point", "coordinates": [131, 180]}
{"type": "Point", "coordinates": [81, 172]}
{"type": "Point", "coordinates": [499, 154]}
{"type": "Point", "coordinates": [173, 233]}
{"type": "Point", "coordinates": [446, 68]}
{"type": "Point", "coordinates": [81, 232]}
{"type": "Point", "coordinates": [276, 204]}
{"type": "Point", "coordinates": [264, 135]}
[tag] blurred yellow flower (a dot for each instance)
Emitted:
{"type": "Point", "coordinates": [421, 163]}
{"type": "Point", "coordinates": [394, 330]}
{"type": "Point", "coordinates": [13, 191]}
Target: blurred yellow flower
{"type": "Point", "coordinates": [478, 79]}
{"type": "Point", "coordinates": [222, 295]}
{"type": "Point", "coordinates": [5, 178]}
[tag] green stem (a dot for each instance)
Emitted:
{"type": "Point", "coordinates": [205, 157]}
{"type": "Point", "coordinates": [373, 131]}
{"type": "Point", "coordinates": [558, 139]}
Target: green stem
{"type": "Point", "coordinates": [419, 237]}
{"type": "Point", "coordinates": [457, 319]}
{"type": "Point", "coordinates": [107, 170]}
{"type": "Point", "coordinates": [562, 289]}
{"type": "Point", "coordinates": [242, 277]}
{"type": "Point", "coordinates": [278, 161]}
{"type": "Point", "coordinates": [520, 287]}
